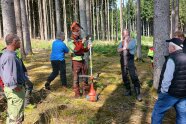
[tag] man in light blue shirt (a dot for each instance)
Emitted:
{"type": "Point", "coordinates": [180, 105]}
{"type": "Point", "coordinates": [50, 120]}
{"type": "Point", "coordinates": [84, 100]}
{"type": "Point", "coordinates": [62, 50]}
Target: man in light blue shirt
{"type": "Point", "coordinates": [57, 58]}
{"type": "Point", "coordinates": [13, 77]}
{"type": "Point", "coordinates": [127, 49]}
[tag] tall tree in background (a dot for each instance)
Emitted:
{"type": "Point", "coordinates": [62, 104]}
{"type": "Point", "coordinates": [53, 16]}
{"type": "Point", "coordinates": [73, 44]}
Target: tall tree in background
{"type": "Point", "coordinates": [102, 22]}
{"type": "Point", "coordinates": [177, 15]}
{"type": "Point", "coordinates": [161, 33]}
{"type": "Point", "coordinates": [139, 54]}
{"type": "Point", "coordinates": [116, 24]}
{"type": "Point", "coordinates": [41, 19]}
{"type": "Point", "coordinates": [45, 21]}
{"type": "Point", "coordinates": [75, 10]}
{"type": "Point", "coordinates": [25, 26]}
{"type": "Point", "coordinates": [65, 20]}
{"type": "Point", "coordinates": [19, 25]}
{"type": "Point", "coordinates": [83, 22]}
{"type": "Point", "coordinates": [97, 19]}
{"type": "Point", "coordinates": [112, 29]}
{"type": "Point", "coordinates": [94, 19]}
{"type": "Point", "coordinates": [52, 24]}
{"type": "Point", "coordinates": [121, 19]}
{"type": "Point", "coordinates": [88, 15]}
{"type": "Point", "coordinates": [108, 19]}
{"type": "Point", "coordinates": [9, 23]}
{"type": "Point", "coordinates": [172, 19]}
{"type": "Point", "coordinates": [58, 16]}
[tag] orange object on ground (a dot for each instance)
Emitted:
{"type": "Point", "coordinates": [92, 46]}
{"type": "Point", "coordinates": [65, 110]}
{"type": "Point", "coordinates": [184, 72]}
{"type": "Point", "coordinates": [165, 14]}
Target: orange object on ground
{"type": "Point", "coordinates": [92, 96]}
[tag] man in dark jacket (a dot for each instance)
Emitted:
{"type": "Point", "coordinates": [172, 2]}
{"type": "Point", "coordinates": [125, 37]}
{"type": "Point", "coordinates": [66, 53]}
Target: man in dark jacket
{"type": "Point", "coordinates": [172, 85]}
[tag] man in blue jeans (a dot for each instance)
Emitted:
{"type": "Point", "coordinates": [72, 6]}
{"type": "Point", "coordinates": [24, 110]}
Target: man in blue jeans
{"type": "Point", "coordinates": [57, 58]}
{"type": "Point", "coordinates": [172, 87]}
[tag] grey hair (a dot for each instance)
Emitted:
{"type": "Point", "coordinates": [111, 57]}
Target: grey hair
{"type": "Point", "coordinates": [10, 38]}
{"type": "Point", "coordinates": [59, 34]}
{"type": "Point", "coordinates": [175, 46]}
{"type": "Point", "coordinates": [126, 30]}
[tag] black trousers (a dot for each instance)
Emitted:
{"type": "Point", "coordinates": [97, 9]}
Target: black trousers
{"type": "Point", "coordinates": [128, 68]}
{"type": "Point", "coordinates": [58, 66]}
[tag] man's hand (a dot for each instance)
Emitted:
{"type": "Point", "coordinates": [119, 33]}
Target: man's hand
{"type": "Point", "coordinates": [17, 89]}
{"type": "Point", "coordinates": [89, 45]}
{"type": "Point", "coordinates": [83, 40]}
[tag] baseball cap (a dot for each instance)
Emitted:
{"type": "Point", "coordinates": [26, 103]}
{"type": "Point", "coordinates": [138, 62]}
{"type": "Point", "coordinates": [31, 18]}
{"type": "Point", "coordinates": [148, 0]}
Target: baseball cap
{"type": "Point", "coordinates": [176, 41]}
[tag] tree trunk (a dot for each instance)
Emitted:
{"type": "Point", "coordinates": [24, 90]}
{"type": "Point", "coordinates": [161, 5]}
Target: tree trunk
{"type": "Point", "coordinates": [161, 33]}
{"type": "Point", "coordinates": [41, 19]}
{"type": "Point", "coordinates": [143, 23]}
{"type": "Point", "coordinates": [8, 14]}
{"type": "Point", "coordinates": [172, 19]}
{"type": "Point", "coordinates": [148, 28]}
{"type": "Point", "coordinates": [91, 20]}
{"type": "Point", "coordinates": [19, 26]}
{"type": "Point", "coordinates": [108, 15]}
{"type": "Point", "coordinates": [51, 19]}
{"type": "Point", "coordinates": [75, 10]}
{"type": "Point", "coordinates": [177, 16]}
{"type": "Point", "coordinates": [112, 21]}
{"type": "Point", "coordinates": [102, 22]}
{"type": "Point", "coordinates": [28, 13]}
{"type": "Point", "coordinates": [33, 21]}
{"type": "Point", "coordinates": [45, 19]}
{"type": "Point", "coordinates": [94, 19]}
{"type": "Point", "coordinates": [106, 20]}
{"type": "Point", "coordinates": [88, 15]}
{"type": "Point", "coordinates": [25, 26]}
{"type": "Point", "coordinates": [83, 23]}
{"type": "Point", "coordinates": [116, 25]}
{"type": "Point", "coordinates": [139, 54]}
{"type": "Point", "coordinates": [97, 14]}
{"type": "Point", "coordinates": [58, 16]}
{"type": "Point", "coordinates": [65, 20]}
{"type": "Point", "coordinates": [121, 19]}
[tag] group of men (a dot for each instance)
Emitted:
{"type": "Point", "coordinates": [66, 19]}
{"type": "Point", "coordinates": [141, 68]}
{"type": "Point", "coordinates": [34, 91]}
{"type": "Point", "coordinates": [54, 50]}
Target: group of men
{"type": "Point", "coordinates": [13, 75]}
{"type": "Point", "coordinates": [77, 48]}
{"type": "Point", "coordinates": [172, 83]}
{"type": "Point", "coordinates": [172, 86]}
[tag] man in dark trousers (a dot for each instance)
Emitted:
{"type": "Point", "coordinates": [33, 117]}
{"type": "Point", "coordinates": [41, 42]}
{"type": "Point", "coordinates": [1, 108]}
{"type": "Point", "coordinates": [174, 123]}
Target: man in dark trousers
{"type": "Point", "coordinates": [172, 85]}
{"type": "Point", "coordinates": [13, 77]}
{"type": "Point", "coordinates": [77, 49]}
{"type": "Point", "coordinates": [127, 48]}
{"type": "Point", "coordinates": [57, 58]}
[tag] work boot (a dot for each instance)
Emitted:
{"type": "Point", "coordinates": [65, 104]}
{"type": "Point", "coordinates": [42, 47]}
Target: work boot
{"type": "Point", "coordinates": [85, 88]}
{"type": "Point", "coordinates": [128, 92]}
{"type": "Point", "coordinates": [138, 95]}
{"type": "Point", "coordinates": [76, 90]}
{"type": "Point", "coordinates": [47, 85]}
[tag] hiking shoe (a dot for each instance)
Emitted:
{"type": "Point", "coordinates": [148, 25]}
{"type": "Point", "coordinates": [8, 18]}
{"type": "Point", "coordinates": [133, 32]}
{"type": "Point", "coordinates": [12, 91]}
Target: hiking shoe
{"type": "Point", "coordinates": [47, 86]}
{"type": "Point", "coordinates": [128, 93]}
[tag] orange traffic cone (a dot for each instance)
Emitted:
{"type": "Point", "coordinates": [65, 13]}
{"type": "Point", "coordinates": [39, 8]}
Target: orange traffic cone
{"type": "Point", "coordinates": [92, 96]}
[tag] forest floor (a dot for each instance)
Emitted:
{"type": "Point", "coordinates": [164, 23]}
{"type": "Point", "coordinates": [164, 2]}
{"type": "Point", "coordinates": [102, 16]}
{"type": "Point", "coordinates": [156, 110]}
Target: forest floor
{"type": "Point", "coordinates": [58, 106]}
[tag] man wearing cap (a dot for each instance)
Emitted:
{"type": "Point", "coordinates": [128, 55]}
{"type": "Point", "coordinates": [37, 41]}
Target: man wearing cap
{"type": "Point", "coordinates": [172, 86]}
{"type": "Point", "coordinates": [77, 49]}
{"type": "Point", "coordinates": [57, 58]}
